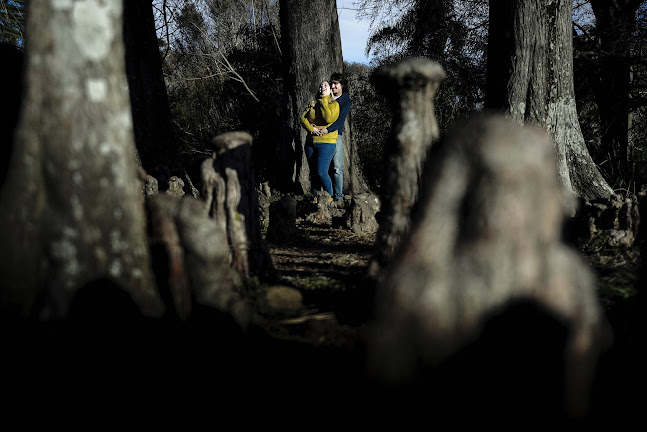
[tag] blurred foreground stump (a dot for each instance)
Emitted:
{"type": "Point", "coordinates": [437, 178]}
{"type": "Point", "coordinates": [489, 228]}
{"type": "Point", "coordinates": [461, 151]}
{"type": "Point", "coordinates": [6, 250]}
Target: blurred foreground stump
{"type": "Point", "coordinates": [192, 260]}
{"type": "Point", "coordinates": [483, 288]}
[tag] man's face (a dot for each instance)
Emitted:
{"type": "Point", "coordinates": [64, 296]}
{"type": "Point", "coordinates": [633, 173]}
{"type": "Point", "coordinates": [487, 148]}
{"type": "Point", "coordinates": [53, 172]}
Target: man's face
{"type": "Point", "coordinates": [336, 88]}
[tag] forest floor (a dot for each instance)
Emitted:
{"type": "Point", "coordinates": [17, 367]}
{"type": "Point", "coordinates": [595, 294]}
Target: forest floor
{"type": "Point", "coordinates": [306, 370]}
{"type": "Point", "coordinates": [326, 264]}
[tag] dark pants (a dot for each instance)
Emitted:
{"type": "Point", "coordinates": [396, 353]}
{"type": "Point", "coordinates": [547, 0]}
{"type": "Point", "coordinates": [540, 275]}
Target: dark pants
{"type": "Point", "coordinates": [319, 157]}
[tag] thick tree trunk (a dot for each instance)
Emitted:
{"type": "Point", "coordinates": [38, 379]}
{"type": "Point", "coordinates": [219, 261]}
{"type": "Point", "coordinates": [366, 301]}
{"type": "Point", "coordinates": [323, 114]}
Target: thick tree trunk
{"type": "Point", "coordinates": [154, 137]}
{"type": "Point", "coordinates": [540, 86]}
{"type": "Point", "coordinates": [615, 25]}
{"type": "Point", "coordinates": [311, 46]}
{"type": "Point", "coordinates": [72, 209]}
{"type": "Point", "coordinates": [354, 180]}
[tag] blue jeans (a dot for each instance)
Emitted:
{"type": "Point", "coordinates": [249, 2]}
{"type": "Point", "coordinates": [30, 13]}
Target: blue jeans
{"type": "Point", "coordinates": [319, 156]}
{"type": "Point", "coordinates": [338, 167]}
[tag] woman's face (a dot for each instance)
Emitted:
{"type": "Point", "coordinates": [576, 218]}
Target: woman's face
{"type": "Point", "coordinates": [324, 88]}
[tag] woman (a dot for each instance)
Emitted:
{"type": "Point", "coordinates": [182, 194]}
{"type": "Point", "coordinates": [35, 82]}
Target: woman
{"type": "Point", "coordinates": [320, 147]}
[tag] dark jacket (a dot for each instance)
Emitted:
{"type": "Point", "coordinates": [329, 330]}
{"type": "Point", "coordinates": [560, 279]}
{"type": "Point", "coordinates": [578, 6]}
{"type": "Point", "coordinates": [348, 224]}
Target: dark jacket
{"type": "Point", "coordinates": [344, 108]}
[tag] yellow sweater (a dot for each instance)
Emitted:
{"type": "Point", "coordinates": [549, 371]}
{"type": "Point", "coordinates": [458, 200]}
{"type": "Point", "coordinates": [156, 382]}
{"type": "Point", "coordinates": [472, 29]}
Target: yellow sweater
{"type": "Point", "coordinates": [321, 113]}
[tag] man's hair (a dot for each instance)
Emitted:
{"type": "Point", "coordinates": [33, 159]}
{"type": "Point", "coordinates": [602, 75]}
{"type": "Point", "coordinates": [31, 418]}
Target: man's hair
{"type": "Point", "coordinates": [342, 80]}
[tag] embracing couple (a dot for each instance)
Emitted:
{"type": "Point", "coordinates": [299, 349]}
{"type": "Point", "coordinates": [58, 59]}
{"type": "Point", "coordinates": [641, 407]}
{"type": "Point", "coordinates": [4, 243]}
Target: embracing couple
{"type": "Point", "coordinates": [324, 119]}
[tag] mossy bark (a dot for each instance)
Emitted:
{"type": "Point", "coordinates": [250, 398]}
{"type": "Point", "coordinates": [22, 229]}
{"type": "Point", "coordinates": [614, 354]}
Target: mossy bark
{"type": "Point", "coordinates": [72, 209]}
{"type": "Point", "coordinates": [540, 87]}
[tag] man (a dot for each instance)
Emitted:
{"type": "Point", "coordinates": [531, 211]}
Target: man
{"type": "Point", "coordinates": [337, 85]}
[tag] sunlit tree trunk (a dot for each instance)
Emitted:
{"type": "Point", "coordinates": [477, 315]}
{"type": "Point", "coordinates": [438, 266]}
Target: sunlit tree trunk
{"type": "Point", "coordinates": [72, 208]}
{"type": "Point", "coordinates": [311, 46]}
{"type": "Point", "coordinates": [311, 49]}
{"type": "Point", "coordinates": [539, 83]}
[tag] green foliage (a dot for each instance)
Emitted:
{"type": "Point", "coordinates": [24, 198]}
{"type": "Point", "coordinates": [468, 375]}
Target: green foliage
{"type": "Point", "coordinates": [224, 76]}
{"type": "Point", "coordinates": [371, 122]}
{"type": "Point", "coordinates": [451, 32]}
{"type": "Point", "coordinates": [223, 70]}
{"type": "Point", "coordinates": [589, 80]}
{"type": "Point", "coordinates": [12, 22]}
{"type": "Point", "coordinates": [454, 33]}
{"type": "Point", "coordinates": [617, 268]}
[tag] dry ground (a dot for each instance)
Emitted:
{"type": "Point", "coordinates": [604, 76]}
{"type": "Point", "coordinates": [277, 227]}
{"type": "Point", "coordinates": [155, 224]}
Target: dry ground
{"type": "Point", "coordinates": [327, 264]}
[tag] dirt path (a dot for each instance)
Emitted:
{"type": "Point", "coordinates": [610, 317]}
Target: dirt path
{"type": "Point", "coordinates": [327, 265]}
{"type": "Point", "coordinates": [322, 257]}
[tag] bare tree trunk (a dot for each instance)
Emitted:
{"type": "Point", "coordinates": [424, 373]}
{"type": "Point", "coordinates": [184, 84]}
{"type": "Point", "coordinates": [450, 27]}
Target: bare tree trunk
{"type": "Point", "coordinates": [72, 209]}
{"type": "Point", "coordinates": [311, 45]}
{"type": "Point", "coordinates": [540, 86]}
{"type": "Point", "coordinates": [154, 136]}
{"type": "Point", "coordinates": [354, 180]}
{"type": "Point", "coordinates": [411, 86]}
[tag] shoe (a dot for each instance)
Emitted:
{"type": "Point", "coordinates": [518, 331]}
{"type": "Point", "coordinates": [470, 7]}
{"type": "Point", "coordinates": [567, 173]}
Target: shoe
{"type": "Point", "coordinates": [330, 199]}
{"type": "Point", "coordinates": [339, 203]}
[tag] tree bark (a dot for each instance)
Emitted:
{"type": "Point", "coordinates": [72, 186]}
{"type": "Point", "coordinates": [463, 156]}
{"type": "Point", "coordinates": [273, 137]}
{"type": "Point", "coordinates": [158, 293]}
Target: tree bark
{"type": "Point", "coordinates": [232, 201]}
{"type": "Point", "coordinates": [354, 180]}
{"type": "Point", "coordinates": [72, 209]}
{"type": "Point", "coordinates": [311, 49]}
{"type": "Point", "coordinates": [215, 284]}
{"type": "Point", "coordinates": [154, 136]}
{"type": "Point", "coordinates": [540, 86]}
